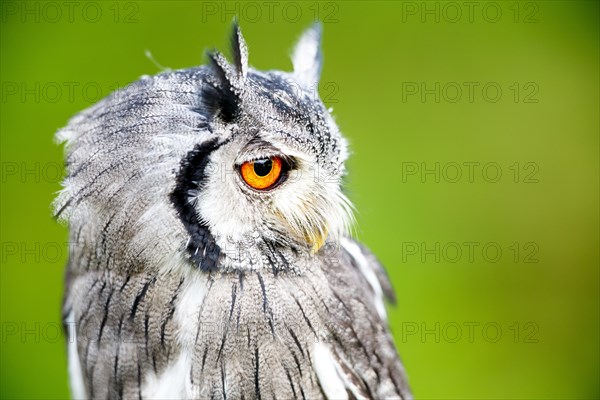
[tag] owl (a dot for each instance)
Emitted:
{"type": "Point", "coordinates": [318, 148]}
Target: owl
{"type": "Point", "coordinates": [210, 254]}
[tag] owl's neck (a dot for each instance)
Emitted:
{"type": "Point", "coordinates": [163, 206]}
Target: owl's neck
{"type": "Point", "coordinates": [264, 255]}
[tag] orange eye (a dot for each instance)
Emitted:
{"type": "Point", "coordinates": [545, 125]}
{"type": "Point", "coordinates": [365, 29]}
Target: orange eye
{"type": "Point", "coordinates": [261, 174]}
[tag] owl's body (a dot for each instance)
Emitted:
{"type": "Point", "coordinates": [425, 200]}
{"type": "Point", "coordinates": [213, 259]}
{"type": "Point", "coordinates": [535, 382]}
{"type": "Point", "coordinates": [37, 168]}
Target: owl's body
{"type": "Point", "coordinates": [189, 278]}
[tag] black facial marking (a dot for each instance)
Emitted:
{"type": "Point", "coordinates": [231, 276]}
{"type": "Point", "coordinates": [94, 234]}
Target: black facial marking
{"type": "Point", "coordinates": [202, 248]}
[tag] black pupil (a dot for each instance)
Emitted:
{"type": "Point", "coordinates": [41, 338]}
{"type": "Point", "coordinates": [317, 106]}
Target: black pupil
{"type": "Point", "coordinates": [263, 167]}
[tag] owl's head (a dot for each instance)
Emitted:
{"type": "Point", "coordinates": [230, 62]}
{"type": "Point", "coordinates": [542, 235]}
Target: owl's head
{"type": "Point", "coordinates": [220, 164]}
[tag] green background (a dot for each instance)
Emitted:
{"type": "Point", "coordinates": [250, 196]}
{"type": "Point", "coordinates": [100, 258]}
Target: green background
{"type": "Point", "coordinates": [544, 297]}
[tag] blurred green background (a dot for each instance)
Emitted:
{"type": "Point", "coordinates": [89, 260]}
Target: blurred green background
{"type": "Point", "coordinates": [496, 275]}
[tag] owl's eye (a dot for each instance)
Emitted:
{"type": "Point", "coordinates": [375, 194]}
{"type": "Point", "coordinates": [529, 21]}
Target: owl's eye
{"type": "Point", "coordinates": [262, 174]}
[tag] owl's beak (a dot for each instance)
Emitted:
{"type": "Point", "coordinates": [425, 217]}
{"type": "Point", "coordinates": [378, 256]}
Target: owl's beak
{"type": "Point", "coordinates": [317, 239]}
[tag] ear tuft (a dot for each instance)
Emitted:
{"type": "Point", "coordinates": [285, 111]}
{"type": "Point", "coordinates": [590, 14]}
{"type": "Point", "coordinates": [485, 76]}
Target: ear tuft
{"type": "Point", "coordinates": [221, 68]}
{"type": "Point", "coordinates": [223, 94]}
{"type": "Point", "coordinates": [307, 57]}
{"type": "Point", "coordinates": [227, 90]}
{"type": "Point", "coordinates": [239, 50]}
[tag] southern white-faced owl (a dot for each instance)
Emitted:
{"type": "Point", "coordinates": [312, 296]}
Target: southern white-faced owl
{"type": "Point", "coordinates": [210, 255]}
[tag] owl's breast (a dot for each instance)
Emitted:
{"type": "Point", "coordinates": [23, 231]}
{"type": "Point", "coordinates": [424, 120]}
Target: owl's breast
{"type": "Point", "coordinates": [247, 335]}
{"type": "Point", "coordinates": [279, 334]}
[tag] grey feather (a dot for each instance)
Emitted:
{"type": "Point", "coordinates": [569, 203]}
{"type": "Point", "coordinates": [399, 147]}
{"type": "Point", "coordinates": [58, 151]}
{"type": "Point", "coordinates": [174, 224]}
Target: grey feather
{"type": "Point", "coordinates": [240, 51]}
{"type": "Point", "coordinates": [183, 280]}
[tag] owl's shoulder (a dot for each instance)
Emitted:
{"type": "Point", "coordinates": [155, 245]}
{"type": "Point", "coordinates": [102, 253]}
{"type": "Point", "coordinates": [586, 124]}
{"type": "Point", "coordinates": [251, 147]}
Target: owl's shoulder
{"type": "Point", "coordinates": [360, 357]}
{"type": "Point", "coordinates": [372, 272]}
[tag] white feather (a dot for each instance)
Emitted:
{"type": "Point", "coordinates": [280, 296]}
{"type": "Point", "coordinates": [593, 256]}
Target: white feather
{"type": "Point", "coordinates": [75, 374]}
{"type": "Point", "coordinates": [328, 373]}
{"type": "Point", "coordinates": [171, 384]}
{"type": "Point", "coordinates": [364, 267]}
{"type": "Point", "coordinates": [174, 382]}
{"type": "Point", "coordinates": [307, 57]}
